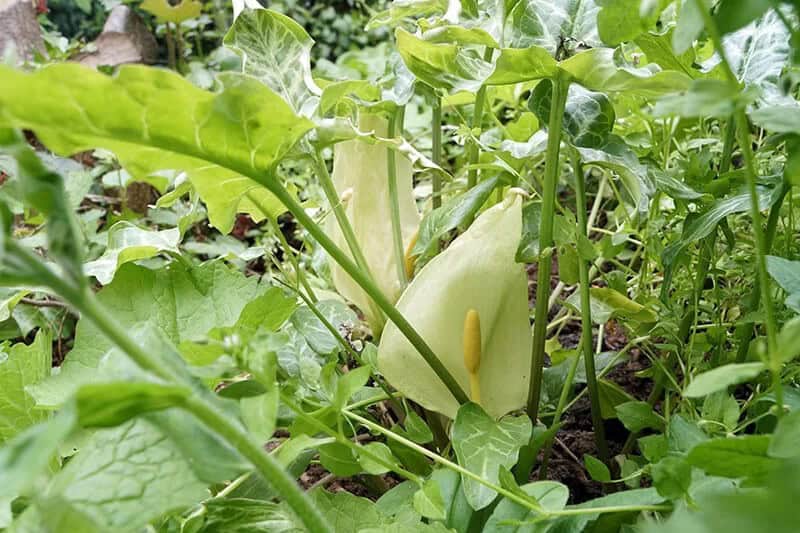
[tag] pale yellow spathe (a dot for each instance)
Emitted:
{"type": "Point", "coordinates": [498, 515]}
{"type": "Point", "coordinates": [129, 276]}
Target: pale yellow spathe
{"type": "Point", "coordinates": [477, 271]}
{"type": "Point", "coordinates": [361, 177]}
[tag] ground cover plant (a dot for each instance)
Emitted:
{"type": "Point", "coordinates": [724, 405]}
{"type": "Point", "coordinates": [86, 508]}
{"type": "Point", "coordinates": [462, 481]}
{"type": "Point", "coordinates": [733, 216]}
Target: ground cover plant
{"type": "Point", "coordinates": [522, 266]}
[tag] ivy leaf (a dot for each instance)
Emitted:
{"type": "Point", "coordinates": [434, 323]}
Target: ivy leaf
{"type": "Point", "coordinates": [588, 117]}
{"type": "Point", "coordinates": [128, 242]}
{"type": "Point", "coordinates": [276, 50]}
{"type": "Point", "coordinates": [228, 143]}
{"type": "Point", "coordinates": [553, 25]}
{"type": "Point", "coordinates": [483, 445]}
{"type": "Point", "coordinates": [166, 11]}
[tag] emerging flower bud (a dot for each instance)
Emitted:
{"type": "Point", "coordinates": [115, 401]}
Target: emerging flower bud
{"type": "Point", "coordinates": [361, 177]}
{"type": "Point", "coordinates": [470, 304]}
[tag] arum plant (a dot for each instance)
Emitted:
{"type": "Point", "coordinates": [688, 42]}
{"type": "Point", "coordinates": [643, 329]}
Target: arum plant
{"type": "Point", "coordinates": [372, 180]}
{"type": "Point", "coordinates": [469, 305]}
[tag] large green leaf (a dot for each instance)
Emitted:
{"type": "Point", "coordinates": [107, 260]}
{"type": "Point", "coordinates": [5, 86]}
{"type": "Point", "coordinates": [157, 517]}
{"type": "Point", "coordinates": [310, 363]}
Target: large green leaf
{"type": "Point", "coordinates": [276, 50]}
{"type": "Point", "coordinates": [175, 12]}
{"type": "Point", "coordinates": [446, 66]}
{"type": "Point", "coordinates": [758, 52]}
{"type": "Point", "coordinates": [483, 445]}
{"type": "Point", "coordinates": [558, 26]}
{"type": "Point", "coordinates": [20, 366]}
{"type": "Point", "coordinates": [153, 120]}
{"type": "Point", "coordinates": [721, 378]}
{"type": "Point", "coordinates": [599, 70]}
{"type": "Point", "coordinates": [175, 303]}
{"type": "Point", "coordinates": [119, 481]}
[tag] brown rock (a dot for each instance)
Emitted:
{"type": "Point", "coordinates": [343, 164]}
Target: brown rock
{"type": "Point", "coordinates": [125, 39]}
{"type": "Point", "coordinates": [19, 29]}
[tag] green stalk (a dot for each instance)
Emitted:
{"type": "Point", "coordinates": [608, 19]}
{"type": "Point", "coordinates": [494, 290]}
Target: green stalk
{"type": "Point", "coordinates": [301, 276]}
{"type": "Point", "coordinates": [91, 309]}
{"type": "Point", "coordinates": [586, 317]}
{"type": "Point", "coordinates": [346, 228]}
{"type": "Point", "coordinates": [551, 173]}
{"type": "Point", "coordinates": [743, 134]}
{"type": "Point", "coordinates": [436, 148]}
{"type": "Point", "coordinates": [368, 285]}
{"type": "Point", "coordinates": [396, 126]}
{"type": "Point", "coordinates": [474, 152]}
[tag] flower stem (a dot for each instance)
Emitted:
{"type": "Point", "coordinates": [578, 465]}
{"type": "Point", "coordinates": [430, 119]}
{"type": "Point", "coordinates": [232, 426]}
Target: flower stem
{"type": "Point", "coordinates": [395, 127]}
{"type": "Point", "coordinates": [551, 173]}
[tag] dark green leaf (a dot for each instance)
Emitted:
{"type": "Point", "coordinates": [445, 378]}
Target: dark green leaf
{"type": "Point", "coordinates": [721, 378]}
{"type": "Point", "coordinates": [597, 469]}
{"type": "Point", "coordinates": [453, 213]}
{"type": "Point", "coordinates": [483, 445]}
{"type": "Point", "coordinates": [637, 416]}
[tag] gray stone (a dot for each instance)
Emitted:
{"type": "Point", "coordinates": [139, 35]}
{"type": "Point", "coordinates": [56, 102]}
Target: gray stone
{"type": "Point", "coordinates": [19, 29]}
{"type": "Point", "coordinates": [125, 39]}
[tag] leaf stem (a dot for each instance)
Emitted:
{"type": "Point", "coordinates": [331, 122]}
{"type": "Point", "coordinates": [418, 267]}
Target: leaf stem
{"type": "Point", "coordinates": [395, 127]}
{"type": "Point", "coordinates": [586, 315]}
{"type": "Point", "coordinates": [474, 152]}
{"type": "Point", "coordinates": [552, 170]}
{"type": "Point", "coordinates": [436, 148]}
{"type": "Point", "coordinates": [368, 285]}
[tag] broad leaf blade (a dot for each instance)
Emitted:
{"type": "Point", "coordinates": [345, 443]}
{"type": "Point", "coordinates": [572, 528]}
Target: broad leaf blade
{"type": "Point", "coordinates": [276, 50]}
{"type": "Point", "coordinates": [152, 119]}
